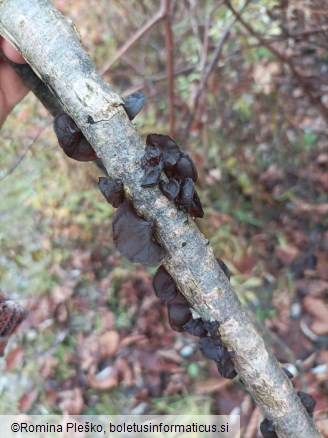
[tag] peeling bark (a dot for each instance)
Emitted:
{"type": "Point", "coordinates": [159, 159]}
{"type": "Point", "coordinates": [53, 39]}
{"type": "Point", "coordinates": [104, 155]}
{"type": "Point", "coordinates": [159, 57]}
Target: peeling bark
{"type": "Point", "coordinates": [50, 44]}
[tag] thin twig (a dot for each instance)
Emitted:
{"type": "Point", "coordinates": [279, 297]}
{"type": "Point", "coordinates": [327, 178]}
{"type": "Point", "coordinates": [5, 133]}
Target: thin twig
{"type": "Point", "coordinates": [160, 15]}
{"type": "Point", "coordinates": [195, 25]}
{"type": "Point", "coordinates": [157, 78]}
{"type": "Point", "coordinates": [205, 76]}
{"type": "Point", "coordinates": [169, 66]}
{"type": "Point", "coordinates": [4, 173]}
{"type": "Point", "coordinates": [204, 49]}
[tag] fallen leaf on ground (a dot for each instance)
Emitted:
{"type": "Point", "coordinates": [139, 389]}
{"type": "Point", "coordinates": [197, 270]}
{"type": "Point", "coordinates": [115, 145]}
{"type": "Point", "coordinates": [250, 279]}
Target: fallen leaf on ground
{"type": "Point", "coordinates": [71, 401]}
{"type": "Point", "coordinates": [211, 385]}
{"type": "Point", "coordinates": [319, 310]}
{"type": "Point", "coordinates": [286, 254]}
{"type": "Point", "coordinates": [27, 400]}
{"type": "Point", "coordinates": [14, 358]}
{"type": "Point", "coordinates": [105, 379]}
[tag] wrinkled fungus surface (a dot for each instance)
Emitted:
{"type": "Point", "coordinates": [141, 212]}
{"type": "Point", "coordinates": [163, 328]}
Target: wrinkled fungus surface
{"type": "Point", "coordinates": [163, 154]}
{"type": "Point", "coordinates": [71, 139]}
{"type": "Point", "coordinates": [133, 237]}
{"type": "Point", "coordinates": [164, 285]}
{"type": "Point", "coordinates": [112, 189]}
{"type": "Point", "coordinates": [134, 103]}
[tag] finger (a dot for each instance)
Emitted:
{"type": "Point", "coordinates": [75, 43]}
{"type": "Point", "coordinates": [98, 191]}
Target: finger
{"type": "Point", "coordinates": [11, 52]}
{"type": "Point", "coordinates": [12, 90]}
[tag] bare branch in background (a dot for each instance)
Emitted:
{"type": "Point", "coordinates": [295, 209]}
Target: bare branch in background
{"type": "Point", "coordinates": [160, 15]}
{"type": "Point", "coordinates": [303, 82]}
{"type": "Point", "coordinates": [204, 78]}
{"type": "Point", "coordinates": [169, 65]}
{"type": "Point", "coordinates": [158, 78]}
{"type": "Point", "coordinates": [16, 162]}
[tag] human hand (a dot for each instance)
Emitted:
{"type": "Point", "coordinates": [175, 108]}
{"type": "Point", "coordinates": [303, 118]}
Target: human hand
{"type": "Point", "coordinates": [12, 89]}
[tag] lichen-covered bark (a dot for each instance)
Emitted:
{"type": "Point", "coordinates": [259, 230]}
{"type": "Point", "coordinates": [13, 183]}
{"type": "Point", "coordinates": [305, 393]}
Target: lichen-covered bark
{"type": "Point", "coordinates": [51, 46]}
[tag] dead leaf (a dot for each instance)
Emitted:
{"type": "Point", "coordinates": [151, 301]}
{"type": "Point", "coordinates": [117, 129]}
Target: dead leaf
{"type": "Point", "coordinates": [322, 159]}
{"type": "Point", "coordinates": [272, 176]}
{"type": "Point", "coordinates": [71, 401]}
{"type": "Point", "coordinates": [108, 344]}
{"type": "Point", "coordinates": [319, 310]}
{"type": "Point", "coordinates": [96, 347]}
{"type": "Point", "coordinates": [263, 73]}
{"type": "Point", "coordinates": [211, 385]}
{"type": "Point", "coordinates": [105, 379]}
{"type": "Point", "coordinates": [214, 176]}
{"type": "Point", "coordinates": [286, 254]}
{"type": "Point", "coordinates": [132, 339]}
{"type": "Point", "coordinates": [322, 265]}
{"type": "Point", "coordinates": [47, 364]}
{"type": "Point", "coordinates": [216, 219]}
{"type": "Point", "coordinates": [301, 207]}
{"type": "Point", "coordinates": [322, 424]}
{"type": "Point", "coordinates": [14, 358]}
{"type": "Point", "coordinates": [315, 288]}
{"type": "Point", "coordinates": [62, 293]}
{"type": "Point", "coordinates": [170, 355]}
{"type": "Point", "coordinates": [246, 264]}
{"type": "Point", "coordinates": [125, 372]}
{"type": "Point", "coordinates": [26, 401]}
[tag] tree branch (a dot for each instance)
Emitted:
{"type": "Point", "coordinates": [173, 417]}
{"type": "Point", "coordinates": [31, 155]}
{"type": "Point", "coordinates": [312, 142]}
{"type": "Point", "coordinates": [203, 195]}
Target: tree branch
{"type": "Point", "coordinates": [50, 45]}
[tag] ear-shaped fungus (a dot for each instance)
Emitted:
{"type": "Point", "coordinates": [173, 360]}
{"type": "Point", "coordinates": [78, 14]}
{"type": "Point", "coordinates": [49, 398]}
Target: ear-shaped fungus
{"type": "Point", "coordinates": [179, 314]}
{"type": "Point", "coordinates": [195, 327]}
{"type": "Point", "coordinates": [185, 168]}
{"type": "Point", "coordinates": [213, 349]}
{"type": "Point", "coordinates": [133, 237]}
{"type": "Point", "coordinates": [307, 401]}
{"type": "Point", "coordinates": [71, 139]}
{"type": "Point", "coordinates": [210, 347]}
{"type": "Point", "coordinates": [133, 104]}
{"type": "Point", "coordinates": [196, 208]}
{"type": "Point", "coordinates": [164, 286]}
{"type": "Point", "coordinates": [211, 327]}
{"type": "Point", "coordinates": [171, 189]}
{"type": "Point", "coordinates": [170, 150]}
{"type": "Point", "coordinates": [152, 174]}
{"type": "Point", "coordinates": [224, 268]}
{"type": "Point", "coordinates": [151, 158]}
{"type": "Point", "coordinates": [267, 429]}
{"type": "Point", "coordinates": [187, 193]}
{"type": "Point", "coordinates": [288, 373]}
{"type": "Point", "coordinates": [152, 163]}
{"type": "Point", "coordinates": [225, 365]}
{"type": "Point", "coordinates": [112, 189]}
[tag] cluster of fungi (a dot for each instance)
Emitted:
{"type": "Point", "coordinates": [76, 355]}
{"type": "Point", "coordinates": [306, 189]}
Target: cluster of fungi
{"type": "Point", "coordinates": [134, 236]}
{"type": "Point", "coordinates": [163, 154]}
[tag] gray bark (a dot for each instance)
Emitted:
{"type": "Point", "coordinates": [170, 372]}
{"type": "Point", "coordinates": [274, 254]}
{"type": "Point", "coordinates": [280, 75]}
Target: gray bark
{"type": "Point", "coordinates": [51, 46]}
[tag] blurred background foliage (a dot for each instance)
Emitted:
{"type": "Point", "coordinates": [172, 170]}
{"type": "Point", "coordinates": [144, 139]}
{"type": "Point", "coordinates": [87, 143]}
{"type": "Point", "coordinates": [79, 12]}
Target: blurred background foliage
{"type": "Point", "coordinates": [96, 340]}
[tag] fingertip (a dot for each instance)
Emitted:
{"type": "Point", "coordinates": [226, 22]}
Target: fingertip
{"type": "Point", "coordinates": [11, 52]}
